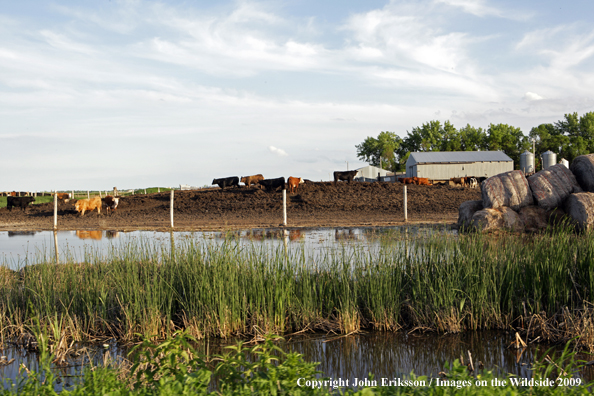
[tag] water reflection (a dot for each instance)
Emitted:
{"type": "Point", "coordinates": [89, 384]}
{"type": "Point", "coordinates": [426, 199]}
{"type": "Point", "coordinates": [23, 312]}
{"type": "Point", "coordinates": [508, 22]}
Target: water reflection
{"type": "Point", "coordinates": [97, 235]}
{"type": "Point", "coordinates": [24, 248]}
{"type": "Point", "coordinates": [20, 233]}
{"type": "Point", "coordinates": [385, 355]}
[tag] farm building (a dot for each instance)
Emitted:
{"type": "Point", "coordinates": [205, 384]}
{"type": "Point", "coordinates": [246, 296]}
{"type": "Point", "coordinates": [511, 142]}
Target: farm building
{"type": "Point", "coordinates": [370, 172]}
{"type": "Point", "coordinates": [443, 165]}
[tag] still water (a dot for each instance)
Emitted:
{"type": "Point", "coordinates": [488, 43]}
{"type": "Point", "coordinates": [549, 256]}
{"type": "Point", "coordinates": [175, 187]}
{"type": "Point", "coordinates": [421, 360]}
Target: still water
{"type": "Point", "coordinates": [383, 355]}
{"type": "Point", "coordinates": [21, 248]}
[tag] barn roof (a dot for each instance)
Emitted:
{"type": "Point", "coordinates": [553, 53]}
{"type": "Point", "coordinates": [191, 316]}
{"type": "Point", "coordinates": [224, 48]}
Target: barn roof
{"type": "Point", "coordinates": [431, 157]}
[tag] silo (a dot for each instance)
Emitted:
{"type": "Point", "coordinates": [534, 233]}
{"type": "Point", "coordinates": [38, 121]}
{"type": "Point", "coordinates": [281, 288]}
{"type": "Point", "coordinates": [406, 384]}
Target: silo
{"type": "Point", "coordinates": [548, 159]}
{"type": "Point", "coordinates": [527, 162]}
{"type": "Point", "coordinates": [564, 162]}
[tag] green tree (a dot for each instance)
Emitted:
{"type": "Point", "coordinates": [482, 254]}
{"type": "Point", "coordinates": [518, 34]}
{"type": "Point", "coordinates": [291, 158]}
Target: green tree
{"type": "Point", "coordinates": [580, 133]}
{"type": "Point", "coordinates": [508, 139]}
{"type": "Point", "coordinates": [383, 148]}
{"type": "Point", "coordinates": [473, 139]}
{"type": "Point", "coordinates": [547, 137]}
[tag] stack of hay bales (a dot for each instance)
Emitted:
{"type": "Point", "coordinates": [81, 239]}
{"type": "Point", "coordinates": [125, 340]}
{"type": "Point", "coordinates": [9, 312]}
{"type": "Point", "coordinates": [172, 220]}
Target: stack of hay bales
{"type": "Point", "coordinates": [512, 202]}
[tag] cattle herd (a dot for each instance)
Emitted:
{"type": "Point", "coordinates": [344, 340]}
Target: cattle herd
{"type": "Point", "coordinates": [21, 200]}
{"type": "Point", "coordinates": [259, 181]}
{"type": "Point", "coordinates": [81, 205]}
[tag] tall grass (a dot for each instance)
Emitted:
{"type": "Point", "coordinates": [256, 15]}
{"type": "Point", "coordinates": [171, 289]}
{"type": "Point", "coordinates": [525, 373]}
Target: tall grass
{"type": "Point", "coordinates": [543, 284]}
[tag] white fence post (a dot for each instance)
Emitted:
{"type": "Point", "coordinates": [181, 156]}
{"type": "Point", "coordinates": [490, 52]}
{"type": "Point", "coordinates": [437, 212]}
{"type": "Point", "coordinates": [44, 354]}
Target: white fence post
{"type": "Point", "coordinates": [171, 208]}
{"type": "Point", "coordinates": [55, 210]}
{"type": "Point", "coordinates": [88, 194]}
{"type": "Point", "coordinates": [405, 209]}
{"type": "Point", "coordinates": [284, 207]}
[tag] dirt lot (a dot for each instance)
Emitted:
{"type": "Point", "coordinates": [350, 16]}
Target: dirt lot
{"type": "Point", "coordinates": [314, 205]}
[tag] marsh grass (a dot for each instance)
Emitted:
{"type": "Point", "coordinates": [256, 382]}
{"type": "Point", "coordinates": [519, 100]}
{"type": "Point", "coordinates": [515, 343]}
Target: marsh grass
{"type": "Point", "coordinates": [542, 285]}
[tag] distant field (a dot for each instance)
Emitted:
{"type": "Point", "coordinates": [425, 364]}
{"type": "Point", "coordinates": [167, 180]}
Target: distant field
{"type": "Point", "coordinates": [94, 193]}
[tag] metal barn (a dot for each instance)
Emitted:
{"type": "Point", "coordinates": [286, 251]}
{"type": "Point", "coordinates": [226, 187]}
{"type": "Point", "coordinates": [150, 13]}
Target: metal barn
{"type": "Point", "coordinates": [443, 165]}
{"type": "Point", "coordinates": [370, 172]}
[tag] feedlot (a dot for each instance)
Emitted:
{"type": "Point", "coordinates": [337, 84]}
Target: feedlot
{"type": "Point", "coordinates": [315, 204]}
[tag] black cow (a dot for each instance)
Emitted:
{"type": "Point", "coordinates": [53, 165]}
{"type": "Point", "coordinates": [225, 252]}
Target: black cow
{"type": "Point", "coordinates": [20, 202]}
{"type": "Point", "coordinates": [273, 184]}
{"type": "Point", "coordinates": [346, 175]}
{"type": "Point", "coordinates": [227, 181]}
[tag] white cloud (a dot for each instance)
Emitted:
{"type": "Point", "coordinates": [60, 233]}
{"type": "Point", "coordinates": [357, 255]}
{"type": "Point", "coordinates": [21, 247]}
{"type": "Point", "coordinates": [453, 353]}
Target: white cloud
{"type": "Point", "coordinates": [531, 96]}
{"type": "Point", "coordinates": [277, 151]}
{"type": "Point", "coordinates": [475, 7]}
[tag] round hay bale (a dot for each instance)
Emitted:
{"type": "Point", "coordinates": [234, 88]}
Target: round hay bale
{"type": "Point", "coordinates": [583, 169]}
{"type": "Point", "coordinates": [534, 218]}
{"type": "Point", "coordinates": [465, 213]}
{"type": "Point", "coordinates": [551, 186]}
{"type": "Point", "coordinates": [486, 220]}
{"type": "Point", "coordinates": [580, 208]}
{"type": "Point", "coordinates": [509, 189]}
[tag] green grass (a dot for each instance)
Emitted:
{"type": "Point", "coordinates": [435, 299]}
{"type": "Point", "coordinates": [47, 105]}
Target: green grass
{"type": "Point", "coordinates": [543, 284]}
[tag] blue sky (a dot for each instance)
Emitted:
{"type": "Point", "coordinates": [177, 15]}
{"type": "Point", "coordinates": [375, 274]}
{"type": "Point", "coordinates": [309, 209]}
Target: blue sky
{"type": "Point", "coordinates": [97, 94]}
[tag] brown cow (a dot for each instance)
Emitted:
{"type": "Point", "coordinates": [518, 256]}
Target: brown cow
{"type": "Point", "coordinates": [91, 204]}
{"type": "Point", "coordinates": [422, 181]}
{"type": "Point", "coordinates": [63, 196]}
{"type": "Point", "coordinates": [293, 183]}
{"type": "Point", "coordinates": [407, 180]}
{"type": "Point", "coordinates": [248, 180]}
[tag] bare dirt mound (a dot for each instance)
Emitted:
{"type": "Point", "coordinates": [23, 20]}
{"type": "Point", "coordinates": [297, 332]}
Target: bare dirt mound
{"type": "Point", "coordinates": [314, 204]}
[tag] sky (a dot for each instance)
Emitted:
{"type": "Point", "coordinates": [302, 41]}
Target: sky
{"type": "Point", "coordinates": [132, 94]}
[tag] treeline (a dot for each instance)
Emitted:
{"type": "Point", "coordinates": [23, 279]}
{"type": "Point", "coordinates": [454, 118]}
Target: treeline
{"type": "Point", "coordinates": [568, 138]}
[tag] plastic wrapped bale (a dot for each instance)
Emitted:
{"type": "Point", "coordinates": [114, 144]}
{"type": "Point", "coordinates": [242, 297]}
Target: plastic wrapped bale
{"type": "Point", "coordinates": [465, 213]}
{"type": "Point", "coordinates": [486, 220]}
{"type": "Point", "coordinates": [583, 169]}
{"type": "Point", "coordinates": [534, 218]}
{"type": "Point", "coordinates": [509, 189]}
{"type": "Point", "coordinates": [580, 208]}
{"type": "Point", "coordinates": [551, 186]}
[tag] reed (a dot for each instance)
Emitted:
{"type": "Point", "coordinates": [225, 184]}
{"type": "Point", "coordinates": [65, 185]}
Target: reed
{"type": "Point", "coordinates": [542, 284]}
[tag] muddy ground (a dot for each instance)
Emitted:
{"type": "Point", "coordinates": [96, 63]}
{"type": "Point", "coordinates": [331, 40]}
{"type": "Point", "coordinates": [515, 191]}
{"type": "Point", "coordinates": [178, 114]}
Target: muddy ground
{"type": "Point", "coordinates": [315, 204]}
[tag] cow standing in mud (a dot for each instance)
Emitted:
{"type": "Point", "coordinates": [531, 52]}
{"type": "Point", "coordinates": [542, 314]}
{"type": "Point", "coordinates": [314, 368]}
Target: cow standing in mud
{"type": "Point", "coordinates": [232, 181]}
{"type": "Point", "coordinates": [249, 180]}
{"type": "Point", "coordinates": [82, 205]}
{"type": "Point", "coordinates": [19, 202]}
{"type": "Point", "coordinates": [293, 183]}
{"type": "Point", "coordinates": [347, 176]}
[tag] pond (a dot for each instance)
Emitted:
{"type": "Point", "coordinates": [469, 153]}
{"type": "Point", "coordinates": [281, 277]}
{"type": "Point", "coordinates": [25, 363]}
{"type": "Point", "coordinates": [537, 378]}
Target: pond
{"type": "Point", "coordinates": [21, 248]}
{"type": "Point", "coordinates": [384, 355]}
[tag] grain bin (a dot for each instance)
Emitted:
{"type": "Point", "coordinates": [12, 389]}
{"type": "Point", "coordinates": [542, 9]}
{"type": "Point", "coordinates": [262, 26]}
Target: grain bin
{"type": "Point", "coordinates": [564, 162]}
{"type": "Point", "coordinates": [527, 162]}
{"type": "Point", "coordinates": [548, 159]}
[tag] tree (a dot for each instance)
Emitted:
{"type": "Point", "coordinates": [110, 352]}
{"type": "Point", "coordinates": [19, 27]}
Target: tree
{"type": "Point", "coordinates": [547, 137]}
{"type": "Point", "coordinates": [508, 139]}
{"type": "Point", "coordinates": [579, 131]}
{"type": "Point", "coordinates": [473, 139]}
{"type": "Point", "coordinates": [383, 147]}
